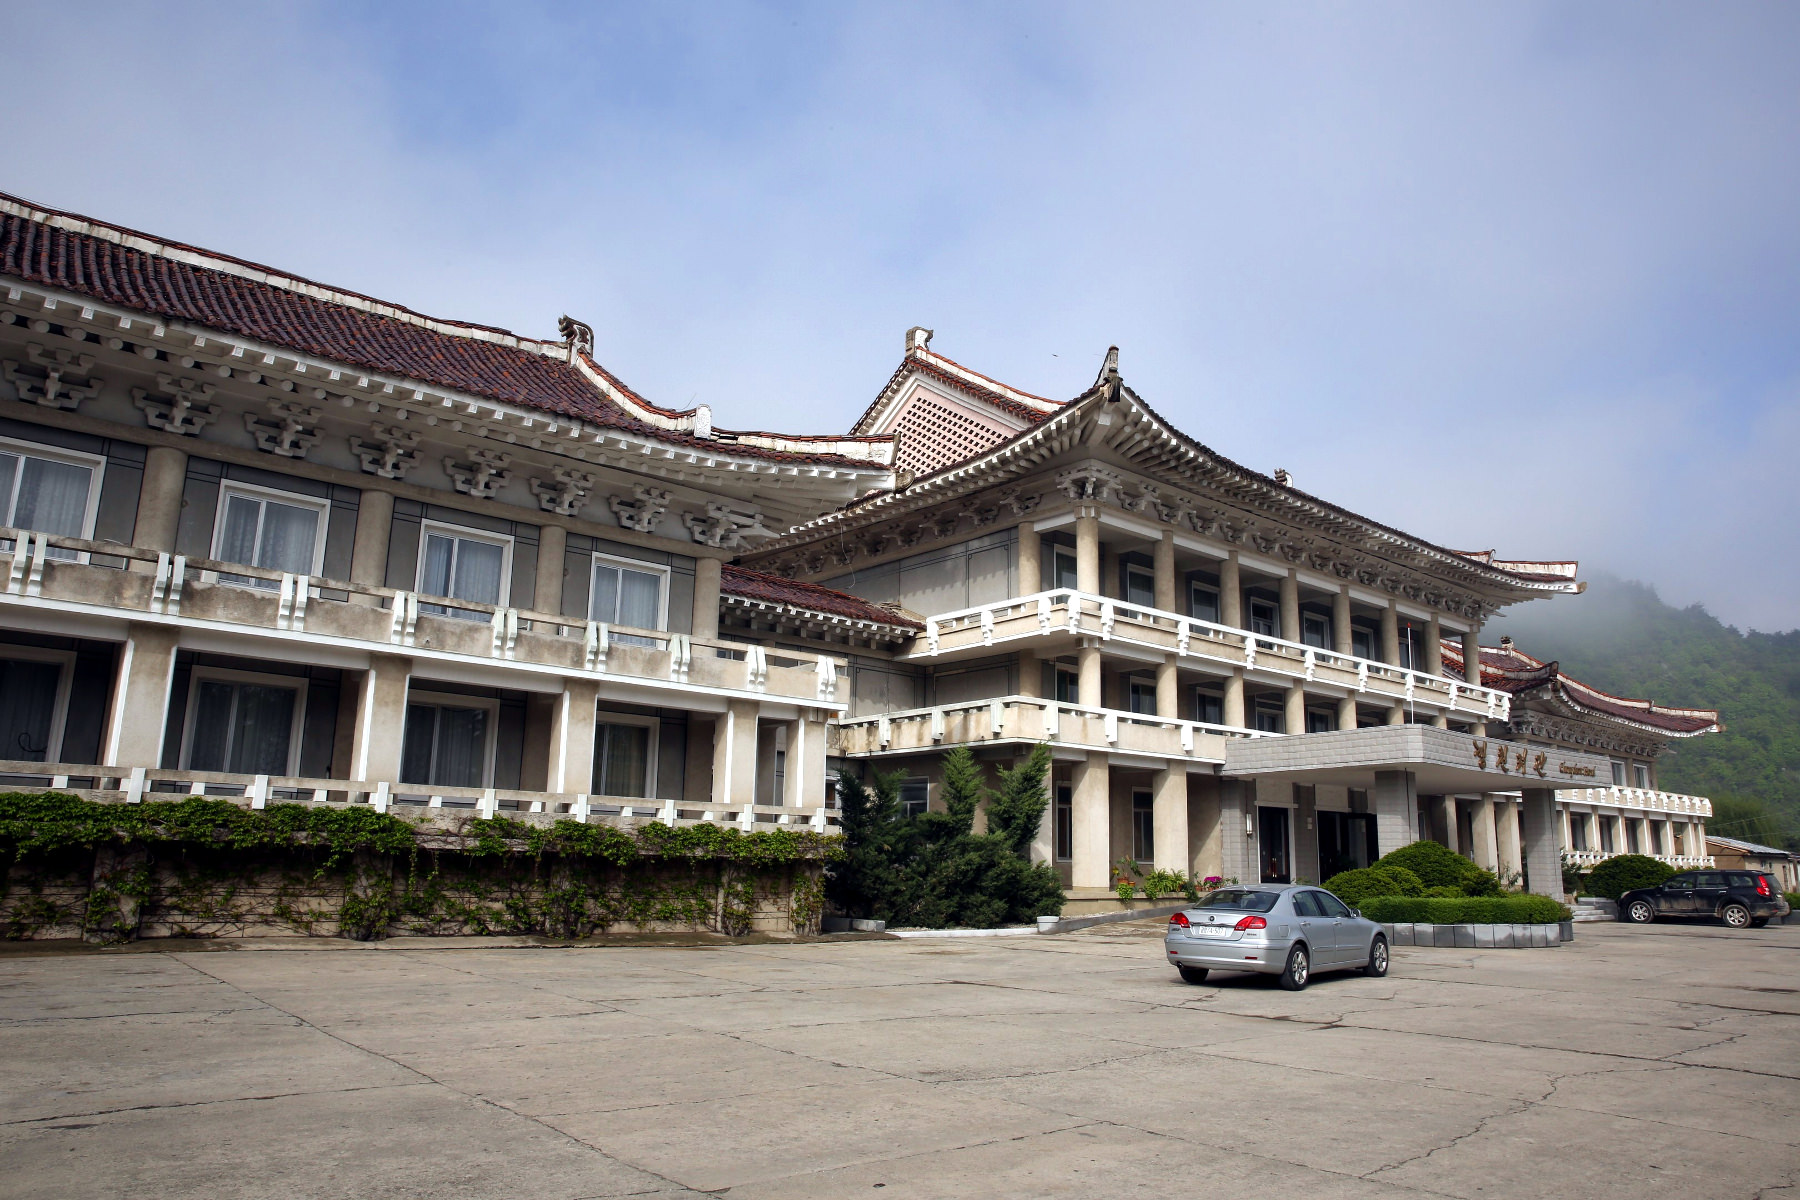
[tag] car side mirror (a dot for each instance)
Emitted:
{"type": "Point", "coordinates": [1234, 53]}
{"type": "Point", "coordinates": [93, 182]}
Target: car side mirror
{"type": "Point", "coordinates": [1356, 912]}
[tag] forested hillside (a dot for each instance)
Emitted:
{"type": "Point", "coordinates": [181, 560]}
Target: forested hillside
{"type": "Point", "coordinates": [1622, 638]}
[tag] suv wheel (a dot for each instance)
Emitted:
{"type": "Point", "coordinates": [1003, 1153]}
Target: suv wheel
{"type": "Point", "coordinates": [1377, 965]}
{"type": "Point", "coordinates": [1640, 912]}
{"type": "Point", "coordinates": [1293, 976]}
{"type": "Point", "coordinates": [1192, 974]}
{"type": "Point", "coordinates": [1736, 916]}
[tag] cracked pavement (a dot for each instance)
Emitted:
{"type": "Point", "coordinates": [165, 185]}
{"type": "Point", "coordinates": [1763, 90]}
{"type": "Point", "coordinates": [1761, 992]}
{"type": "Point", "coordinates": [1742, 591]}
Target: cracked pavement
{"type": "Point", "coordinates": [1662, 1061]}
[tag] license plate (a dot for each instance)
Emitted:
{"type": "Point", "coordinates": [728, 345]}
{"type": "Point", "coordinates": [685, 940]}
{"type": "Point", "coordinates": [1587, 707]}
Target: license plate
{"type": "Point", "coordinates": [1213, 930]}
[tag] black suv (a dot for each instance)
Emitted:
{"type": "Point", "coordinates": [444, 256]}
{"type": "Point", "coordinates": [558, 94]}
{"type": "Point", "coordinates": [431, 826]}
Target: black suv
{"type": "Point", "coordinates": [1739, 898]}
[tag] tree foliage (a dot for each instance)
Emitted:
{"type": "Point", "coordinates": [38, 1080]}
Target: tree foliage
{"type": "Point", "coordinates": [1625, 873]}
{"type": "Point", "coordinates": [933, 869]}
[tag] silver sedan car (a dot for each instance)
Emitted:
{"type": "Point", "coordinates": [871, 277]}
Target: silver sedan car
{"type": "Point", "coordinates": [1276, 929]}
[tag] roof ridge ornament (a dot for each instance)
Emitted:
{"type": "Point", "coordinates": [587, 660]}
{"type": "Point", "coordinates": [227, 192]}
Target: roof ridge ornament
{"type": "Point", "coordinates": [1109, 372]}
{"type": "Point", "coordinates": [919, 338]}
{"type": "Point", "coordinates": [578, 336]}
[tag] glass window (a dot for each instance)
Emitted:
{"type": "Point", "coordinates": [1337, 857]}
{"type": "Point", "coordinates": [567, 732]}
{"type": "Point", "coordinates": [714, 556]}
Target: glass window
{"type": "Point", "coordinates": [1362, 642]}
{"type": "Point", "coordinates": [1679, 883]}
{"type": "Point", "coordinates": [1062, 568]}
{"type": "Point", "coordinates": [1068, 686]}
{"type": "Point", "coordinates": [915, 797]}
{"type": "Point", "coordinates": [1307, 904]}
{"type": "Point", "coordinates": [1407, 647]}
{"type": "Point", "coordinates": [1268, 720]}
{"type": "Point", "coordinates": [1209, 707]}
{"type": "Point", "coordinates": [1143, 826]}
{"type": "Point", "coordinates": [629, 596]}
{"type": "Point", "coordinates": [462, 568]}
{"type": "Point", "coordinates": [1263, 618]}
{"type": "Point", "coordinates": [1320, 722]}
{"type": "Point", "coordinates": [1065, 822]}
{"type": "Point", "coordinates": [28, 691]}
{"type": "Point", "coordinates": [1242, 899]}
{"type": "Point", "coordinates": [1618, 773]}
{"type": "Point", "coordinates": [1203, 602]}
{"type": "Point", "coordinates": [446, 745]}
{"type": "Point", "coordinates": [1578, 831]}
{"type": "Point", "coordinates": [1315, 630]}
{"type": "Point", "coordinates": [1606, 835]}
{"type": "Point", "coordinates": [1143, 697]}
{"type": "Point", "coordinates": [241, 727]}
{"type": "Point", "coordinates": [1140, 586]}
{"type": "Point", "coordinates": [622, 760]}
{"type": "Point", "coordinates": [1331, 904]}
{"type": "Point", "coordinates": [262, 532]}
{"type": "Point", "coordinates": [47, 495]}
{"type": "Point", "coordinates": [1640, 775]}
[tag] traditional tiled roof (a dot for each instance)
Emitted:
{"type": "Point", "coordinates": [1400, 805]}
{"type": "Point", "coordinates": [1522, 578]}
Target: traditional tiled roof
{"type": "Point", "coordinates": [922, 360]}
{"type": "Point", "coordinates": [810, 597]}
{"type": "Point", "coordinates": [1509, 669]}
{"type": "Point", "coordinates": [181, 283]}
{"type": "Point", "coordinates": [1739, 846]}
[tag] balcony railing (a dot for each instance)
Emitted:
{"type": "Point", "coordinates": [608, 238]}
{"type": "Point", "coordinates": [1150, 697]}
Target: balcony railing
{"type": "Point", "coordinates": [134, 785]}
{"type": "Point", "coordinates": [115, 580]}
{"type": "Point", "coordinates": [1593, 858]}
{"type": "Point", "coordinates": [1031, 719]}
{"type": "Point", "coordinates": [1641, 800]}
{"type": "Point", "coordinates": [1066, 612]}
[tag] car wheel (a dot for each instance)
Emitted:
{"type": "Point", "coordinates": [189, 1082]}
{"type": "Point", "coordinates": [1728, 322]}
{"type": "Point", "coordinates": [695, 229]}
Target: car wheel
{"type": "Point", "coordinates": [1758, 922]}
{"type": "Point", "coordinates": [1736, 916]}
{"type": "Point", "coordinates": [1377, 965]}
{"type": "Point", "coordinates": [1293, 976]}
{"type": "Point", "coordinates": [1192, 974]}
{"type": "Point", "coordinates": [1639, 912]}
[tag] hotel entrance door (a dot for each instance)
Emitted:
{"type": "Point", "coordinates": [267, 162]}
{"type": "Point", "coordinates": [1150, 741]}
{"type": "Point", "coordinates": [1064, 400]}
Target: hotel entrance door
{"type": "Point", "coordinates": [1272, 844]}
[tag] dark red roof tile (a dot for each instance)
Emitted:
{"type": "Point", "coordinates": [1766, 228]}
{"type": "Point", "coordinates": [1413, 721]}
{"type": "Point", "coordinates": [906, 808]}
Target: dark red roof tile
{"type": "Point", "coordinates": [778, 589]}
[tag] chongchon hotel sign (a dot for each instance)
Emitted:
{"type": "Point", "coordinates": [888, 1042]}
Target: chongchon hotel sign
{"type": "Point", "coordinates": [1509, 758]}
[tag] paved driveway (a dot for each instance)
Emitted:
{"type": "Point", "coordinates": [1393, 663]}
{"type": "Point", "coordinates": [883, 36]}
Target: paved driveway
{"type": "Point", "coordinates": [1638, 1063]}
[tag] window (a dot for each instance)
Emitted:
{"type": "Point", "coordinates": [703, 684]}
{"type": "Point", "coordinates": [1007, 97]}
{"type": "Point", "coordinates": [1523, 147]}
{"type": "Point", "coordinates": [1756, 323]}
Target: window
{"type": "Point", "coordinates": [47, 492]}
{"type": "Point", "coordinates": [1140, 586]}
{"type": "Point", "coordinates": [1143, 825]}
{"type": "Point", "coordinates": [1068, 685]}
{"type": "Point", "coordinates": [1362, 642]}
{"type": "Point", "coordinates": [915, 797]}
{"type": "Point", "coordinates": [1408, 657]}
{"type": "Point", "coordinates": [1315, 630]}
{"type": "Point", "coordinates": [1578, 831]}
{"type": "Point", "coordinates": [268, 529]}
{"type": "Point", "coordinates": [33, 701]}
{"type": "Point", "coordinates": [448, 742]}
{"type": "Point", "coordinates": [1065, 822]}
{"type": "Point", "coordinates": [1203, 602]}
{"type": "Point", "coordinates": [1640, 775]}
{"type": "Point", "coordinates": [1680, 834]}
{"type": "Point", "coordinates": [1263, 619]}
{"type": "Point", "coordinates": [627, 593]}
{"type": "Point", "coordinates": [622, 762]}
{"type": "Point", "coordinates": [1306, 904]}
{"type": "Point", "coordinates": [1618, 772]}
{"type": "Point", "coordinates": [1062, 568]}
{"type": "Point", "coordinates": [1606, 835]}
{"type": "Point", "coordinates": [1209, 707]}
{"type": "Point", "coordinates": [1346, 840]}
{"type": "Point", "coordinates": [1143, 697]}
{"type": "Point", "coordinates": [1319, 721]}
{"type": "Point", "coordinates": [463, 566]}
{"type": "Point", "coordinates": [1267, 719]}
{"type": "Point", "coordinates": [244, 724]}
{"type": "Point", "coordinates": [1631, 836]}
{"type": "Point", "coordinates": [1331, 904]}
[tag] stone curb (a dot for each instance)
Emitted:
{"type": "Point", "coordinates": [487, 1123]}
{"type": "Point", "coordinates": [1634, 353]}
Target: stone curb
{"type": "Point", "coordinates": [1480, 937]}
{"type": "Point", "coordinates": [1071, 924]}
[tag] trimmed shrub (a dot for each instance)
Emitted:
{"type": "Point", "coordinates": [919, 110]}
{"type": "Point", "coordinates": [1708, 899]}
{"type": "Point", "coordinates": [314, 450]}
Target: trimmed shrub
{"type": "Point", "coordinates": [1525, 909]}
{"type": "Point", "coordinates": [1444, 893]}
{"type": "Point", "coordinates": [1624, 873]}
{"type": "Point", "coordinates": [1434, 863]}
{"type": "Point", "coordinates": [1354, 887]}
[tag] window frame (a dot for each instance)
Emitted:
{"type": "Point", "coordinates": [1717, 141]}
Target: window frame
{"type": "Point", "coordinates": [1323, 622]}
{"type": "Point", "coordinates": [1197, 588]}
{"type": "Point", "coordinates": [1640, 776]}
{"type": "Point", "coordinates": [259, 492]}
{"type": "Point", "coordinates": [200, 674]}
{"type": "Point", "coordinates": [1062, 822]}
{"type": "Point", "coordinates": [449, 529]}
{"type": "Point", "coordinates": [661, 570]}
{"type": "Point", "coordinates": [651, 755]}
{"type": "Point", "coordinates": [59, 706]}
{"type": "Point", "coordinates": [1258, 605]}
{"type": "Point", "coordinates": [96, 465]}
{"type": "Point", "coordinates": [1136, 685]}
{"type": "Point", "coordinates": [905, 804]}
{"type": "Point", "coordinates": [455, 700]}
{"type": "Point", "coordinates": [1135, 570]}
{"type": "Point", "coordinates": [1143, 820]}
{"type": "Point", "coordinates": [1618, 772]}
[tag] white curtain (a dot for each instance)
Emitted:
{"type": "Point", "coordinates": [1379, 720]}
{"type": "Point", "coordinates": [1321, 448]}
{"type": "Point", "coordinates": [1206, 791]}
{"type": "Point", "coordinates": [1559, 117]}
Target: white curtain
{"type": "Point", "coordinates": [27, 704]}
{"type": "Point", "coordinates": [211, 738]}
{"type": "Point", "coordinates": [237, 541]}
{"type": "Point", "coordinates": [53, 497]}
{"type": "Point", "coordinates": [264, 728]}
{"type": "Point", "coordinates": [461, 750]}
{"type": "Point", "coordinates": [477, 572]}
{"type": "Point", "coordinates": [440, 553]}
{"type": "Point", "coordinates": [288, 536]}
{"type": "Point", "coordinates": [603, 603]}
{"type": "Point", "coordinates": [640, 599]}
{"type": "Point", "coordinates": [624, 758]}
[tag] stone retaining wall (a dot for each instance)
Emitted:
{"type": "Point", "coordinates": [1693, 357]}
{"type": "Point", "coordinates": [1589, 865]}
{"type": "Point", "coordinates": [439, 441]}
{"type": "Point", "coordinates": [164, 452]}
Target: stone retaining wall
{"type": "Point", "coordinates": [1480, 937]}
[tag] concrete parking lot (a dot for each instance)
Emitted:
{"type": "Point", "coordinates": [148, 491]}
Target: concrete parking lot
{"type": "Point", "coordinates": [1637, 1063]}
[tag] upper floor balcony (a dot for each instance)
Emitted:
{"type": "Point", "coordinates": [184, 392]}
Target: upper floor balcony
{"type": "Point", "coordinates": [1586, 859]}
{"type": "Point", "coordinates": [1648, 801]}
{"type": "Point", "coordinates": [1060, 617]}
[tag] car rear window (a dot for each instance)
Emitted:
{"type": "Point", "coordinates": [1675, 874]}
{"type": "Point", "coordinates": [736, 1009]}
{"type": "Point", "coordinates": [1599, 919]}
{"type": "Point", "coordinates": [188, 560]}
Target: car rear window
{"type": "Point", "coordinates": [1242, 899]}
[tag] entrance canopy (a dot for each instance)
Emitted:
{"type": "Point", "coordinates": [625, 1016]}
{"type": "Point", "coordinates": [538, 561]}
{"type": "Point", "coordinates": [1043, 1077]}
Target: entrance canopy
{"type": "Point", "coordinates": [1442, 762]}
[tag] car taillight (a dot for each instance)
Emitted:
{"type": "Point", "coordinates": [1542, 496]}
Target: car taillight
{"type": "Point", "coordinates": [1762, 885]}
{"type": "Point", "coordinates": [1251, 923]}
{"type": "Point", "coordinates": [1179, 919]}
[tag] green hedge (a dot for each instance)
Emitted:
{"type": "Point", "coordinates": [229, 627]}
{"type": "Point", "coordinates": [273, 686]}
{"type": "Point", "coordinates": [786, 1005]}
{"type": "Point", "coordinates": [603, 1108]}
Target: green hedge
{"type": "Point", "coordinates": [1438, 866]}
{"type": "Point", "coordinates": [1625, 873]}
{"type": "Point", "coordinates": [1354, 887]}
{"type": "Point", "coordinates": [1470, 910]}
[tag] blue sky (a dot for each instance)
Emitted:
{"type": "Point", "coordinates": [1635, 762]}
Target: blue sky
{"type": "Point", "coordinates": [1517, 275]}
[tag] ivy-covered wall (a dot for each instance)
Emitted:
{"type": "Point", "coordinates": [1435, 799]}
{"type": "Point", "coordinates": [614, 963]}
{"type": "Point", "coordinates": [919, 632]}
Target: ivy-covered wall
{"type": "Point", "coordinates": [77, 868]}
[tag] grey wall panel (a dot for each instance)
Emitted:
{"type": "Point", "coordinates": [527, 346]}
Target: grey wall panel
{"type": "Point", "coordinates": [318, 733]}
{"type": "Point", "coordinates": [340, 532]}
{"type": "Point", "coordinates": [578, 580]}
{"type": "Point", "coordinates": [524, 573]}
{"type": "Point", "coordinates": [509, 743]}
{"type": "Point", "coordinates": [403, 545]}
{"type": "Point", "coordinates": [90, 692]}
{"type": "Point", "coordinates": [116, 518]}
{"type": "Point", "coordinates": [199, 508]}
{"type": "Point", "coordinates": [681, 602]}
{"type": "Point", "coordinates": [671, 760]}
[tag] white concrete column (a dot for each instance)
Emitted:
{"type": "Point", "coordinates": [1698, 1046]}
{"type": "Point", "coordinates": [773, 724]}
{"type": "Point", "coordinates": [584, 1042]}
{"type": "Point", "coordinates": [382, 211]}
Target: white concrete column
{"type": "Point", "coordinates": [1471, 646]}
{"type": "Point", "coordinates": [1031, 674]}
{"type": "Point", "coordinates": [1395, 801]}
{"type": "Point", "coordinates": [1543, 861]}
{"type": "Point", "coordinates": [1092, 826]}
{"type": "Point", "coordinates": [1087, 552]}
{"type": "Point", "coordinates": [1508, 851]}
{"type": "Point", "coordinates": [1290, 605]}
{"type": "Point", "coordinates": [1340, 620]}
{"type": "Point", "coordinates": [1390, 635]}
{"type": "Point", "coordinates": [706, 597]}
{"type": "Point", "coordinates": [1233, 706]}
{"type": "Point", "coordinates": [1168, 690]}
{"type": "Point", "coordinates": [1165, 572]}
{"type": "Point", "coordinates": [1294, 714]}
{"type": "Point", "coordinates": [1434, 647]}
{"type": "Point", "coordinates": [1486, 839]}
{"type": "Point", "coordinates": [1088, 691]}
{"type": "Point", "coordinates": [1446, 812]}
{"type": "Point", "coordinates": [1169, 821]}
{"type": "Point", "coordinates": [803, 761]}
{"type": "Point", "coordinates": [734, 755]}
{"type": "Point", "coordinates": [140, 697]}
{"type": "Point", "coordinates": [1396, 713]}
{"type": "Point", "coordinates": [159, 499]}
{"type": "Point", "coordinates": [1346, 713]}
{"type": "Point", "coordinates": [571, 765]}
{"type": "Point", "coordinates": [369, 550]}
{"type": "Point", "coordinates": [547, 593]}
{"type": "Point", "coordinates": [1231, 593]}
{"type": "Point", "coordinates": [1031, 559]}
{"type": "Point", "coordinates": [381, 720]}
